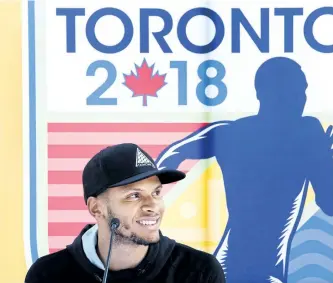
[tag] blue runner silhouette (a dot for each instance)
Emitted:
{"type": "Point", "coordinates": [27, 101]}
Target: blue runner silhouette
{"type": "Point", "coordinates": [267, 161]}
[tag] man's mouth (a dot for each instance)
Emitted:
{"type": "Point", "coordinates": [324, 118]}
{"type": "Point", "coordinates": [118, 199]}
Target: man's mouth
{"type": "Point", "coordinates": [148, 222]}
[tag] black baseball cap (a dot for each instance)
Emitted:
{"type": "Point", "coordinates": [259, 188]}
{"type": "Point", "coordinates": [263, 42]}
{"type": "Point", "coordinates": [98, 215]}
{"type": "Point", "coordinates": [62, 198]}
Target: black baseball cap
{"type": "Point", "coordinates": [120, 165]}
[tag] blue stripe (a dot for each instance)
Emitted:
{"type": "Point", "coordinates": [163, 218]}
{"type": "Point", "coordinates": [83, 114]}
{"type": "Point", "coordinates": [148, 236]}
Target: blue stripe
{"type": "Point", "coordinates": [311, 247]}
{"type": "Point", "coordinates": [312, 235]}
{"type": "Point", "coordinates": [308, 260]}
{"type": "Point", "coordinates": [316, 223]}
{"type": "Point", "coordinates": [32, 130]}
{"type": "Point", "coordinates": [310, 271]}
{"type": "Point", "coordinates": [320, 214]}
{"type": "Point", "coordinates": [313, 280]}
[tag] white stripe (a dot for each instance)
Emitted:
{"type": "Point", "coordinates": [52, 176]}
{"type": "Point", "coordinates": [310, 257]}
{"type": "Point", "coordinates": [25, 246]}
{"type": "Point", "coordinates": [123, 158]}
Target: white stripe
{"type": "Point", "coordinates": [137, 117]}
{"type": "Point", "coordinates": [309, 210]}
{"type": "Point", "coordinates": [41, 131]}
{"type": "Point", "coordinates": [67, 164]}
{"type": "Point", "coordinates": [60, 242]}
{"type": "Point", "coordinates": [162, 117]}
{"type": "Point", "coordinates": [289, 226]}
{"type": "Point", "coordinates": [200, 135]}
{"type": "Point", "coordinates": [274, 280]}
{"type": "Point", "coordinates": [70, 216]}
{"type": "Point", "coordinates": [65, 190]}
{"type": "Point", "coordinates": [223, 252]}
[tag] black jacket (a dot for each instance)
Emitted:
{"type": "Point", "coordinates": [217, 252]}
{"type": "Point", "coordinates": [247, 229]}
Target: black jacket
{"type": "Point", "coordinates": [165, 262]}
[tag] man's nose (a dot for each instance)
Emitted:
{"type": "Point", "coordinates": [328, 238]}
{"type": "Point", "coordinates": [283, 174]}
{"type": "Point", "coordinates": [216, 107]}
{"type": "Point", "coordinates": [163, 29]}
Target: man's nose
{"type": "Point", "coordinates": [150, 205]}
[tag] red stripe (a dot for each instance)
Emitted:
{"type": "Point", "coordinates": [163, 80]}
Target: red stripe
{"type": "Point", "coordinates": [87, 151]}
{"type": "Point", "coordinates": [67, 203]}
{"type": "Point", "coordinates": [124, 127]}
{"type": "Point", "coordinates": [64, 177]}
{"type": "Point", "coordinates": [65, 229]}
{"type": "Point", "coordinates": [68, 177]}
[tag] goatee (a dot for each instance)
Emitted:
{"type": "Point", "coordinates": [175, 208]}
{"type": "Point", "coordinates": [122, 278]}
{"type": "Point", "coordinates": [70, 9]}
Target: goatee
{"type": "Point", "coordinates": [120, 238]}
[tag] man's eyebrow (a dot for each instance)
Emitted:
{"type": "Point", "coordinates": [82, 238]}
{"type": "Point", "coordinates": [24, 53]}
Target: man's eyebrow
{"type": "Point", "coordinates": [159, 187]}
{"type": "Point", "coordinates": [124, 189]}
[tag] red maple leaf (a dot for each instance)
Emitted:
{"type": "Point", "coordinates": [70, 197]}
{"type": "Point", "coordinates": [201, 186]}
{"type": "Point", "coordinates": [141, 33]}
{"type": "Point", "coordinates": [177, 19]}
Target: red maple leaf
{"type": "Point", "coordinates": [144, 83]}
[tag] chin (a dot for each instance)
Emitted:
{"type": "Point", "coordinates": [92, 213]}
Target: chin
{"type": "Point", "coordinates": [151, 237]}
{"type": "Point", "coordinates": [153, 241]}
{"type": "Point", "coordinates": [155, 238]}
{"type": "Point", "coordinates": [146, 239]}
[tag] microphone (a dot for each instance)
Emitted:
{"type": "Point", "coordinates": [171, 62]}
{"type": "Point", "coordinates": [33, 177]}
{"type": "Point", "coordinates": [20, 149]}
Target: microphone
{"type": "Point", "coordinates": [114, 225]}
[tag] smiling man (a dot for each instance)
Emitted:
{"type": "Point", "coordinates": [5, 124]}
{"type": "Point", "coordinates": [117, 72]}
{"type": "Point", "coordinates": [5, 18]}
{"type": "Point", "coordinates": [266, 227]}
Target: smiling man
{"type": "Point", "coordinates": [123, 182]}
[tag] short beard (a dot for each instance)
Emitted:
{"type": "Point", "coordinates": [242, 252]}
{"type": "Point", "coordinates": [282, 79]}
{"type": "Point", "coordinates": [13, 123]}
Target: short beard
{"type": "Point", "coordinates": [120, 238]}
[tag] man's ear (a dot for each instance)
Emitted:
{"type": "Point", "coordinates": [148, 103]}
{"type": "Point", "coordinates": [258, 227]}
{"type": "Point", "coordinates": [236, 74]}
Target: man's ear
{"type": "Point", "coordinates": [95, 207]}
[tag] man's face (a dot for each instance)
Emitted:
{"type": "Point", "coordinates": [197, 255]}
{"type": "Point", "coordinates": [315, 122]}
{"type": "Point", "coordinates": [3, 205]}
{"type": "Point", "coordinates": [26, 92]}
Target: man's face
{"type": "Point", "coordinates": [139, 207]}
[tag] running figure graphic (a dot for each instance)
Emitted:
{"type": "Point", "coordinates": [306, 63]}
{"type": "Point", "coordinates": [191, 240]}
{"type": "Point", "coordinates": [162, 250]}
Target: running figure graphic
{"type": "Point", "coordinates": [267, 161]}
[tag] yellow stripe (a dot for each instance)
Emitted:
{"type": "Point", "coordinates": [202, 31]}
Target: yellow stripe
{"type": "Point", "coordinates": [12, 260]}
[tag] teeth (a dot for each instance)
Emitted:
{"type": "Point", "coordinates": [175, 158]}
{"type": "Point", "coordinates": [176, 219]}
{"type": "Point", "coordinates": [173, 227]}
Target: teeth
{"type": "Point", "coordinates": [147, 222]}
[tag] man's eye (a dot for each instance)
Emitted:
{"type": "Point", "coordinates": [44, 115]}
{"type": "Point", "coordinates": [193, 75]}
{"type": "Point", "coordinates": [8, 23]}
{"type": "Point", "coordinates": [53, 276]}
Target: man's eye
{"type": "Point", "coordinates": [158, 192]}
{"type": "Point", "coordinates": [134, 196]}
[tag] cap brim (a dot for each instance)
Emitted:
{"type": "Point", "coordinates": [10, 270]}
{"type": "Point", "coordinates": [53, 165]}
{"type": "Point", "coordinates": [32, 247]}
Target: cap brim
{"type": "Point", "coordinates": [166, 176]}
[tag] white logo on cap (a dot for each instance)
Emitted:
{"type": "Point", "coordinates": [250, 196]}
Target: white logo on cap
{"type": "Point", "coordinates": [142, 160]}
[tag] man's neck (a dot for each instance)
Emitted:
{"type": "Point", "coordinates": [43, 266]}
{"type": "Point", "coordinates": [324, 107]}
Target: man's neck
{"type": "Point", "coordinates": [123, 256]}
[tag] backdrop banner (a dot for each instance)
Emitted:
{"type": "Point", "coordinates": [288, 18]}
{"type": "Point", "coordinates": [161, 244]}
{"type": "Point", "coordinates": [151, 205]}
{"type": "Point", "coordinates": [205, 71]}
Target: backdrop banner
{"type": "Point", "coordinates": [238, 94]}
